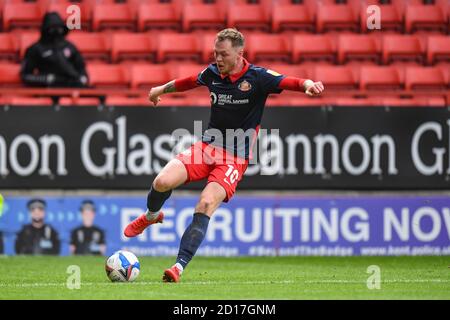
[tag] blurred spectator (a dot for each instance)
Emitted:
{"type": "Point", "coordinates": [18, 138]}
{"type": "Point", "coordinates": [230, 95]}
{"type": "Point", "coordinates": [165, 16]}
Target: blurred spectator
{"type": "Point", "coordinates": [88, 238]}
{"type": "Point", "coordinates": [37, 237]}
{"type": "Point", "coordinates": [53, 61]}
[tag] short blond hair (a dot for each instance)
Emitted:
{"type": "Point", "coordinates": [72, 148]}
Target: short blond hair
{"type": "Point", "coordinates": [232, 34]}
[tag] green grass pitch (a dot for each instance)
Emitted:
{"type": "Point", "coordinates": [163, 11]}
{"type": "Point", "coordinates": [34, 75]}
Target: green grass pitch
{"type": "Point", "coordinates": [232, 278]}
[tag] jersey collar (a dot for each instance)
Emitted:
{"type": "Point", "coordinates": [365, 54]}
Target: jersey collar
{"type": "Point", "coordinates": [236, 76]}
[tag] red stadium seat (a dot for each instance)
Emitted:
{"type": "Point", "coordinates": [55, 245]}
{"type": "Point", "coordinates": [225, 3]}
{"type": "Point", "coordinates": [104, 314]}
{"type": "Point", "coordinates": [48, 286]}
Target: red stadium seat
{"type": "Point", "coordinates": [132, 46]}
{"type": "Point", "coordinates": [267, 47]}
{"type": "Point", "coordinates": [119, 100]}
{"type": "Point", "coordinates": [177, 47]}
{"type": "Point", "coordinates": [126, 101]}
{"type": "Point", "coordinates": [412, 102]}
{"type": "Point", "coordinates": [207, 47]}
{"type": "Point", "coordinates": [29, 101]}
{"type": "Point", "coordinates": [402, 47]}
{"type": "Point", "coordinates": [183, 70]}
{"type": "Point", "coordinates": [108, 76]}
{"type": "Point", "coordinates": [313, 47]}
{"type": "Point", "coordinates": [21, 15]}
{"type": "Point", "coordinates": [149, 75]}
{"type": "Point", "coordinates": [113, 16]}
{"type": "Point", "coordinates": [77, 101]}
{"type": "Point", "coordinates": [202, 16]}
{"type": "Point", "coordinates": [380, 78]}
{"type": "Point", "coordinates": [438, 49]}
{"type": "Point", "coordinates": [336, 77]}
{"type": "Point", "coordinates": [93, 46]}
{"type": "Point", "coordinates": [248, 17]}
{"type": "Point", "coordinates": [158, 16]}
{"type": "Point", "coordinates": [303, 101]}
{"type": "Point", "coordinates": [391, 17]}
{"type": "Point", "coordinates": [26, 39]}
{"type": "Point", "coordinates": [10, 75]}
{"type": "Point", "coordinates": [290, 70]}
{"type": "Point", "coordinates": [8, 47]}
{"type": "Point", "coordinates": [358, 47]}
{"type": "Point", "coordinates": [425, 17]}
{"type": "Point", "coordinates": [354, 102]}
{"type": "Point", "coordinates": [336, 17]}
{"type": "Point", "coordinates": [312, 5]}
{"type": "Point", "coordinates": [287, 69]}
{"type": "Point", "coordinates": [425, 78]}
{"type": "Point", "coordinates": [292, 17]}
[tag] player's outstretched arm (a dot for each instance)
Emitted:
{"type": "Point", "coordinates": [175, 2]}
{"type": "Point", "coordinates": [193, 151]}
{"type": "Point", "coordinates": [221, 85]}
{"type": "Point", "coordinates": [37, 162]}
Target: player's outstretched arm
{"type": "Point", "coordinates": [308, 86]}
{"type": "Point", "coordinates": [156, 92]}
{"type": "Point", "coordinates": [177, 85]}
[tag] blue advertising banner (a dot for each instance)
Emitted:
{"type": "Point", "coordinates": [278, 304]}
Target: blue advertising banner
{"type": "Point", "coordinates": [259, 225]}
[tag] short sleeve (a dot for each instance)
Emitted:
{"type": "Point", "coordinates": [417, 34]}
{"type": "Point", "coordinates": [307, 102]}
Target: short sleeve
{"type": "Point", "coordinates": [269, 80]}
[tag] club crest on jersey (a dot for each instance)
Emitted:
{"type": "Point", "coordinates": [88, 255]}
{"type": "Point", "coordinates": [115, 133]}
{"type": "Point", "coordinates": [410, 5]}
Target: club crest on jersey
{"type": "Point", "coordinates": [245, 86]}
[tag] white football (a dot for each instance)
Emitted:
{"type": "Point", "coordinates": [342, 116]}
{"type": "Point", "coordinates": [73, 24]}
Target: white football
{"type": "Point", "coordinates": [122, 266]}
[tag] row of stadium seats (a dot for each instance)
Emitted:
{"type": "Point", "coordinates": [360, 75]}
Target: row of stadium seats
{"type": "Point", "coordinates": [202, 101]}
{"type": "Point", "coordinates": [334, 77]}
{"type": "Point", "coordinates": [162, 47]}
{"type": "Point", "coordinates": [266, 15]}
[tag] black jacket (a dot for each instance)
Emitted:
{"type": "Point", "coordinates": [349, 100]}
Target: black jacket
{"type": "Point", "coordinates": [87, 240]}
{"type": "Point", "coordinates": [31, 240]}
{"type": "Point", "coordinates": [53, 54]}
{"type": "Point", "coordinates": [2, 250]}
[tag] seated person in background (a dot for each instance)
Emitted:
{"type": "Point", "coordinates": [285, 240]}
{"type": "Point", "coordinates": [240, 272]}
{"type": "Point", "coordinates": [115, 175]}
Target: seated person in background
{"type": "Point", "coordinates": [88, 239]}
{"type": "Point", "coordinates": [53, 61]}
{"type": "Point", "coordinates": [37, 237]}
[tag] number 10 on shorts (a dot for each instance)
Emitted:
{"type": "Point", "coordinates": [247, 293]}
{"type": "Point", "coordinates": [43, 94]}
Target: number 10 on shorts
{"type": "Point", "coordinates": [231, 175]}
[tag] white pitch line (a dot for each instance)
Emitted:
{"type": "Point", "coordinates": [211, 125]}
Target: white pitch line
{"type": "Point", "coordinates": [59, 284]}
{"type": "Point", "coordinates": [382, 281]}
{"type": "Point", "coordinates": [299, 282]}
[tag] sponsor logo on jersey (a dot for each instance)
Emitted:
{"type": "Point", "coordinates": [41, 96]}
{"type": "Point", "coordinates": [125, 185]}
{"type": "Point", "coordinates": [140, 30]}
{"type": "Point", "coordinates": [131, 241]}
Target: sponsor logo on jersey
{"type": "Point", "coordinates": [222, 99]}
{"type": "Point", "coordinates": [213, 97]}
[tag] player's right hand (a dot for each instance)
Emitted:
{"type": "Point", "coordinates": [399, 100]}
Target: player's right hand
{"type": "Point", "coordinates": [153, 96]}
{"type": "Point", "coordinates": [313, 88]}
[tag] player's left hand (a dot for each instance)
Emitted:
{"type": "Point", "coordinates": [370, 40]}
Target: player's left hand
{"type": "Point", "coordinates": [313, 88]}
